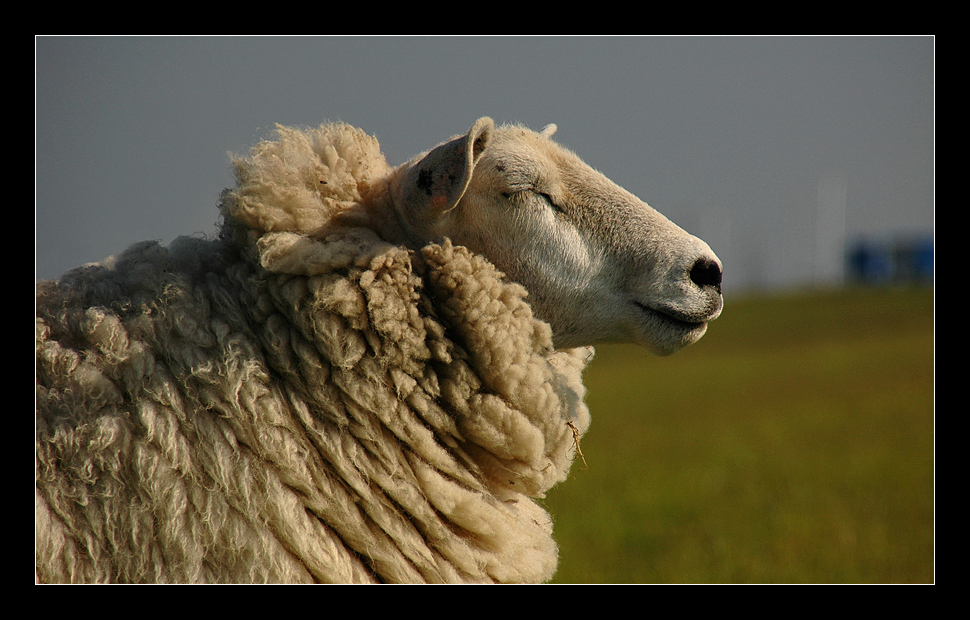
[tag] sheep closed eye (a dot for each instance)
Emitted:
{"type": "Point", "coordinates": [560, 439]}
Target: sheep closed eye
{"type": "Point", "coordinates": [522, 195]}
{"type": "Point", "coordinates": [551, 202]}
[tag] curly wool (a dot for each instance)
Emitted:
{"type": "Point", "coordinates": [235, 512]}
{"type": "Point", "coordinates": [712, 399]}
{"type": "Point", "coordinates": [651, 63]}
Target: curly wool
{"type": "Point", "coordinates": [298, 401]}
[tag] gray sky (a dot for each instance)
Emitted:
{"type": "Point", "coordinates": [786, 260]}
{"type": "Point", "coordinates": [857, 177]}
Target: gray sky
{"type": "Point", "coordinates": [730, 137]}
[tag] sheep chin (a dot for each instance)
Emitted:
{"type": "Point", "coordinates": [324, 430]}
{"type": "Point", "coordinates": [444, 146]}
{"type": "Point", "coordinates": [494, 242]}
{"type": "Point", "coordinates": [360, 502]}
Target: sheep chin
{"type": "Point", "coordinates": [665, 331]}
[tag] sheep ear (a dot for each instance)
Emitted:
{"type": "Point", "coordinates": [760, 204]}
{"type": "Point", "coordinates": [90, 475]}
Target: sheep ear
{"type": "Point", "coordinates": [435, 183]}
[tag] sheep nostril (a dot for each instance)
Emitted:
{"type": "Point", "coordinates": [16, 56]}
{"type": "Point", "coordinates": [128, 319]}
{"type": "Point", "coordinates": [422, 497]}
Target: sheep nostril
{"type": "Point", "coordinates": [706, 272]}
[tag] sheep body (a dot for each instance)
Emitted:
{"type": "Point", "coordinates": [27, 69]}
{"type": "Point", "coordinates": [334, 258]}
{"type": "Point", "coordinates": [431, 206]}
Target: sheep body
{"type": "Point", "coordinates": [299, 400]}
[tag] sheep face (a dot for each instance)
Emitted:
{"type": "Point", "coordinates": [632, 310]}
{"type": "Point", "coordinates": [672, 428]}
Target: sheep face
{"type": "Point", "coordinates": [600, 265]}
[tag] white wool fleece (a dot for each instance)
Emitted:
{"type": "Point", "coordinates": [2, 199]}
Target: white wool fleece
{"type": "Point", "coordinates": [297, 401]}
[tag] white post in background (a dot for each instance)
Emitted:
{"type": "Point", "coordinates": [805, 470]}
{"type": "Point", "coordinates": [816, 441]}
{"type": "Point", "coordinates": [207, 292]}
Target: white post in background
{"type": "Point", "coordinates": [829, 258]}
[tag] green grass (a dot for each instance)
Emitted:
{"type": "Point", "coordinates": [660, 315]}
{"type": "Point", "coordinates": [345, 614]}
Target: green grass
{"type": "Point", "coordinates": [793, 444]}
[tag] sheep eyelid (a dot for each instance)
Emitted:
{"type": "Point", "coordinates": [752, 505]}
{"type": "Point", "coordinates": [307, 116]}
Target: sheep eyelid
{"type": "Point", "coordinates": [520, 194]}
{"type": "Point", "coordinates": [550, 201]}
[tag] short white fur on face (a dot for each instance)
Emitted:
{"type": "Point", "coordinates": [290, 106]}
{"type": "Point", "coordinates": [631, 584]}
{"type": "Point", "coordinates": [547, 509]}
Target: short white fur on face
{"type": "Point", "coordinates": [600, 265]}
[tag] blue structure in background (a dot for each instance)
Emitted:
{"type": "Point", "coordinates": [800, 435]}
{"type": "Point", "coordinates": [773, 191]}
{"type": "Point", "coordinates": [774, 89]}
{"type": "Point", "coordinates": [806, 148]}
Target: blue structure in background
{"type": "Point", "coordinates": [900, 260]}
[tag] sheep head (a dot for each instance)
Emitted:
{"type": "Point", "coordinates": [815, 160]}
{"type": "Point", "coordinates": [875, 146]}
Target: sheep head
{"type": "Point", "coordinates": [600, 265]}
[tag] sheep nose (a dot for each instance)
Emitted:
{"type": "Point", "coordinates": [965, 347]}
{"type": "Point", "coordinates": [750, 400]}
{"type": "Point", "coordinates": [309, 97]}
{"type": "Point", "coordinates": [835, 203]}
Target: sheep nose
{"type": "Point", "coordinates": [706, 272]}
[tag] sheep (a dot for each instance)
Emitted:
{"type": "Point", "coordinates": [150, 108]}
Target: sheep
{"type": "Point", "coordinates": [369, 376]}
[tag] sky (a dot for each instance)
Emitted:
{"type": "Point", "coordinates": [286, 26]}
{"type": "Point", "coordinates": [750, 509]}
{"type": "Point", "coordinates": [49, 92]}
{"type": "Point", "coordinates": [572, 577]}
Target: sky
{"type": "Point", "coordinates": [777, 151]}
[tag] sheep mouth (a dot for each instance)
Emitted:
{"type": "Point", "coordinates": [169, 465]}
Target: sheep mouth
{"type": "Point", "coordinates": [671, 317]}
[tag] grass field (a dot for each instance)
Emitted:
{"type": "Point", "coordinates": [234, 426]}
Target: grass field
{"type": "Point", "coordinates": [793, 444]}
